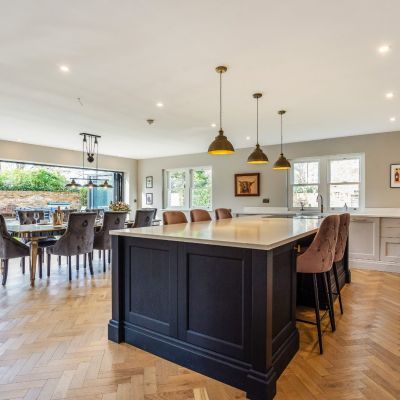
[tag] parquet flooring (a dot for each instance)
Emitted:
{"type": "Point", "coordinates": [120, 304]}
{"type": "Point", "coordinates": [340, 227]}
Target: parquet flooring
{"type": "Point", "coordinates": [53, 345]}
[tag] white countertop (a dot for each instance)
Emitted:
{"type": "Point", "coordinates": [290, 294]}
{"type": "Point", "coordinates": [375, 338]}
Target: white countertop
{"type": "Point", "coordinates": [366, 212]}
{"type": "Point", "coordinates": [254, 232]}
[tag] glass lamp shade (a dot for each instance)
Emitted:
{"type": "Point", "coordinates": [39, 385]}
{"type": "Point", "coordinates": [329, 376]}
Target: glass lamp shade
{"type": "Point", "coordinates": [72, 185]}
{"type": "Point", "coordinates": [257, 156]}
{"type": "Point", "coordinates": [106, 185]}
{"type": "Point", "coordinates": [282, 163]}
{"type": "Point", "coordinates": [221, 145]}
{"type": "Point", "coordinates": [90, 185]}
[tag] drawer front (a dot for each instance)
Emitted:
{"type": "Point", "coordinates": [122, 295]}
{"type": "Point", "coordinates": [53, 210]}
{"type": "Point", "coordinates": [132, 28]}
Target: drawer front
{"type": "Point", "coordinates": [390, 249]}
{"type": "Point", "coordinates": [389, 232]}
{"type": "Point", "coordinates": [390, 223]}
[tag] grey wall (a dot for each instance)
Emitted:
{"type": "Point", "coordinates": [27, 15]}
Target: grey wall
{"type": "Point", "coordinates": [380, 151]}
{"type": "Point", "coordinates": [13, 151]}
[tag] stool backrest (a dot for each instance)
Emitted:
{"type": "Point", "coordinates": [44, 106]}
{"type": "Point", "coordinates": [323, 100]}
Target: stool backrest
{"type": "Point", "coordinates": [198, 215]}
{"type": "Point", "coordinates": [174, 217]}
{"type": "Point", "coordinates": [144, 218]}
{"type": "Point", "coordinates": [223, 213]}
{"type": "Point", "coordinates": [343, 234]}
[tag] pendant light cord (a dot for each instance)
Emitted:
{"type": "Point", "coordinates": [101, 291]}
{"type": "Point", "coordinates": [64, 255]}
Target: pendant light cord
{"type": "Point", "coordinates": [257, 120]}
{"type": "Point", "coordinates": [281, 134]}
{"type": "Point", "coordinates": [220, 100]}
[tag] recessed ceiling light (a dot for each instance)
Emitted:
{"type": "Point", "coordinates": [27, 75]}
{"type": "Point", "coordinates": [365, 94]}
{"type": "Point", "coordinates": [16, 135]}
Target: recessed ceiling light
{"type": "Point", "coordinates": [213, 125]}
{"type": "Point", "coordinates": [389, 95]}
{"type": "Point", "coordinates": [392, 119]}
{"type": "Point", "coordinates": [384, 48]}
{"type": "Point", "coordinates": [64, 68]}
{"type": "Point", "coordinates": [159, 104]}
{"type": "Point", "coordinates": [248, 137]}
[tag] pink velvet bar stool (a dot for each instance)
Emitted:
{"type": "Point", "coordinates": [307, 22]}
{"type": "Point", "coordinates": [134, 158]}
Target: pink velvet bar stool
{"type": "Point", "coordinates": [317, 259]}
{"type": "Point", "coordinates": [341, 243]}
{"type": "Point", "coordinates": [174, 217]}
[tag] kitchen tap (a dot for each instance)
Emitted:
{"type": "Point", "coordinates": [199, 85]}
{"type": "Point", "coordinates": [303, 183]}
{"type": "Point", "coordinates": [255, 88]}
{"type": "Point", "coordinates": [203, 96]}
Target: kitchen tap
{"type": "Point", "coordinates": [321, 199]}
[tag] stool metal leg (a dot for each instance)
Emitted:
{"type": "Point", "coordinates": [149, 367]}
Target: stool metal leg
{"type": "Point", "coordinates": [328, 293]}
{"type": "Point", "coordinates": [48, 264]}
{"type": "Point", "coordinates": [104, 261]}
{"type": "Point", "coordinates": [90, 257]}
{"type": "Point", "coordinates": [317, 316]}
{"type": "Point", "coordinates": [69, 268]}
{"type": "Point", "coordinates": [335, 274]}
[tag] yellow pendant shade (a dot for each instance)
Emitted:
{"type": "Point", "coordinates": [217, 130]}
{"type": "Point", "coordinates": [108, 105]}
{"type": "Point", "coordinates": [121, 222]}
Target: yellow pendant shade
{"type": "Point", "coordinates": [221, 145]}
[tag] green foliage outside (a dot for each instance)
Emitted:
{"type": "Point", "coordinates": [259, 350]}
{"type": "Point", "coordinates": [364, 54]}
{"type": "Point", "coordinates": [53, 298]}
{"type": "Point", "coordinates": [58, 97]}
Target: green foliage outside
{"type": "Point", "coordinates": [201, 190]}
{"type": "Point", "coordinates": [83, 196]}
{"type": "Point", "coordinates": [35, 179]}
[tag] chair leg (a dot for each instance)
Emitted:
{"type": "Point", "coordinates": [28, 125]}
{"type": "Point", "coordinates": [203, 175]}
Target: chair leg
{"type": "Point", "coordinates": [335, 274]}
{"type": "Point", "coordinates": [59, 261]}
{"type": "Point", "coordinates": [69, 268]}
{"type": "Point", "coordinates": [328, 292]}
{"type": "Point", "coordinates": [23, 265]}
{"type": "Point", "coordinates": [104, 261]}
{"type": "Point", "coordinates": [5, 272]}
{"type": "Point", "coordinates": [84, 260]}
{"type": "Point", "coordinates": [90, 264]}
{"type": "Point", "coordinates": [99, 253]}
{"type": "Point", "coordinates": [40, 266]}
{"type": "Point", "coordinates": [317, 316]}
{"type": "Point", "coordinates": [48, 264]}
{"type": "Point", "coordinates": [109, 256]}
{"type": "Point", "coordinates": [77, 262]}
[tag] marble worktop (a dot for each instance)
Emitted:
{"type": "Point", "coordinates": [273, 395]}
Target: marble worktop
{"type": "Point", "coordinates": [255, 232]}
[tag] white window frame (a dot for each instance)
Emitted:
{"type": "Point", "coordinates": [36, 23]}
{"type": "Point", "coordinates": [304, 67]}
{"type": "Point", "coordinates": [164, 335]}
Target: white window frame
{"type": "Point", "coordinates": [324, 181]}
{"type": "Point", "coordinates": [188, 187]}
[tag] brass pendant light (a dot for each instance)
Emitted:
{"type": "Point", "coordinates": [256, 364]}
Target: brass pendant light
{"type": "Point", "coordinates": [221, 144]}
{"type": "Point", "coordinates": [282, 163]}
{"type": "Point", "coordinates": [257, 156]}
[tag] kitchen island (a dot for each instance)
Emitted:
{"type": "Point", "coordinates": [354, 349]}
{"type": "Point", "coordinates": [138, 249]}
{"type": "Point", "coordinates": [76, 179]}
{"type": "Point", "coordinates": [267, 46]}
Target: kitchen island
{"type": "Point", "coordinates": [217, 297]}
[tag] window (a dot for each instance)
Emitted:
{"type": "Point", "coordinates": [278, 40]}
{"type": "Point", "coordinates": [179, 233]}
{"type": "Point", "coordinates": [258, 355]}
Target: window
{"type": "Point", "coordinates": [337, 178]}
{"type": "Point", "coordinates": [344, 183]}
{"type": "Point", "coordinates": [188, 188]}
{"type": "Point", "coordinates": [305, 185]}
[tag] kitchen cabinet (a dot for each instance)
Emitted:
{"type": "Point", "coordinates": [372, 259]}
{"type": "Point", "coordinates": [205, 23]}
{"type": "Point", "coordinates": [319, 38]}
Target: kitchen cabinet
{"type": "Point", "coordinates": [364, 241]}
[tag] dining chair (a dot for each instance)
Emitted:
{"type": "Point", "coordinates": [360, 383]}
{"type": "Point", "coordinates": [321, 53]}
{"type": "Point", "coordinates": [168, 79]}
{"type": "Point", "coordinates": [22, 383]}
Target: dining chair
{"type": "Point", "coordinates": [223, 213]}
{"type": "Point", "coordinates": [67, 213]}
{"type": "Point", "coordinates": [27, 217]}
{"type": "Point", "coordinates": [317, 260]}
{"type": "Point", "coordinates": [102, 240]}
{"type": "Point", "coordinates": [77, 239]}
{"type": "Point", "coordinates": [9, 248]}
{"type": "Point", "coordinates": [343, 234]}
{"type": "Point", "coordinates": [174, 217]}
{"type": "Point", "coordinates": [144, 218]}
{"type": "Point", "coordinates": [199, 215]}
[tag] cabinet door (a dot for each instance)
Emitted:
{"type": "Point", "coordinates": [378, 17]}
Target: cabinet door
{"type": "Point", "coordinates": [390, 249]}
{"type": "Point", "coordinates": [364, 238]}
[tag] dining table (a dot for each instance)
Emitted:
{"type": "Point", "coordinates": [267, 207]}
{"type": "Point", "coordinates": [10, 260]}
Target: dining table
{"type": "Point", "coordinates": [33, 233]}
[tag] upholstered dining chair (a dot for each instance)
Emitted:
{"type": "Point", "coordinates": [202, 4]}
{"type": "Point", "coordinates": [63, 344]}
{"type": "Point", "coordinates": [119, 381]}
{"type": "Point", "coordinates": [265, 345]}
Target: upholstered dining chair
{"type": "Point", "coordinates": [26, 217]}
{"type": "Point", "coordinates": [9, 248]}
{"type": "Point", "coordinates": [343, 234]}
{"type": "Point", "coordinates": [198, 215]}
{"type": "Point", "coordinates": [317, 260]}
{"type": "Point", "coordinates": [174, 217]}
{"type": "Point", "coordinates": [223, 213]}
{"type": "Point", "coordinates": [144, 218]}
{"type": "Point", "coordinates": [67, 213]}
{"type": "Point", "coordinates": [102, 239]}
{"type": "Point", "coordinates": [77, 239]}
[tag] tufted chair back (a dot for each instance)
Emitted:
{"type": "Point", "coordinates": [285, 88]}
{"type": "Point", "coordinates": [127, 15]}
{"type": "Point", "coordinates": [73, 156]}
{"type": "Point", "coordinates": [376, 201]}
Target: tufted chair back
{"type": "Point", "coordinates": [174, 217]}
{"type": "Point", "coordinates": [79, 236]}
{"type": "Point", "coordinates": [223, 213]}
{"type": "Point", "coordinates": [10, 247]}
{"type": "Point", "coordinates": [320, 254]}
{"type": "Point", "coordinates": [343, 234]}
{"type": "Point", "coordinates": [112, 220]}
{"type": "Point", "coordinates": [67, 213]}
{"type": "Point", "coordinates": [144, 218]}
{"type": "Point", "coordinates": [26, 217]}
{"type": "Point", "coordinates": [199, 215]}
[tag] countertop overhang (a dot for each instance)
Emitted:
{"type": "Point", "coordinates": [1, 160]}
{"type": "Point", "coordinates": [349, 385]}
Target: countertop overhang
{"type": "Point", "coordinates": [254, 232]}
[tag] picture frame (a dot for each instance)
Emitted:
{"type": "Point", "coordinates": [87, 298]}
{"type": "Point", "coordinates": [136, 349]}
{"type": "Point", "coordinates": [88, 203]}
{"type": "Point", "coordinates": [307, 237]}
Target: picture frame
{"type": "Point", "coordinates": [149, 199]}
{"type": "Point", "coordinates": [394, 176]}
{"type": "Point", "coordinates": [149, 182]}
{"type": "Point", "coordinates": [247, 184]}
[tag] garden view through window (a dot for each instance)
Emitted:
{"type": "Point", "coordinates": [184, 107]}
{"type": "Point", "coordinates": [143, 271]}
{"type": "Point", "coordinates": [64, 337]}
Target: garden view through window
{"type": "Point", "coordinates": [188, 188]}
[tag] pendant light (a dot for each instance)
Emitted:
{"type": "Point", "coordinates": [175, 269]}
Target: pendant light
{"type": "Point", "coordinates": [72, 185]}
{"type": "Point", "coordinates": [221, 144]}
{"type": "Point", "coordinates": [282, 163]}
{"type": "Point", "coordinates": [90, 184]}
{"type": "Point", "coordinates": [106, 185]}
{"type": "Point", "coordinates": [257, 156]}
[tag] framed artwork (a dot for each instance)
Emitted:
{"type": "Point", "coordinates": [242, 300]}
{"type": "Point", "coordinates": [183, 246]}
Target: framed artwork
{"type": "Point", "coordinates": [149, 182]}
{"type": "Point", "coordinates": [149, 199]}
{"type": "Point", "coordinates": [395, 175]}
{"type": "Point", "coordinates": [247, 184]}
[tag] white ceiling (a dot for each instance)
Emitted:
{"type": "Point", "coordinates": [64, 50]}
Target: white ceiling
{"type": "Point", "coordinates": [317, 59]}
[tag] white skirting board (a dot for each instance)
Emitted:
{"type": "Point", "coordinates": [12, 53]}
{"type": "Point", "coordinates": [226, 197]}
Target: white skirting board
{"type": "Point", "coordinates": [375, 265]}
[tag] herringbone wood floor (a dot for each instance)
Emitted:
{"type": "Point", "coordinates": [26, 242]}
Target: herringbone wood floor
{"type": "Point", "coordinates": [53, 345]}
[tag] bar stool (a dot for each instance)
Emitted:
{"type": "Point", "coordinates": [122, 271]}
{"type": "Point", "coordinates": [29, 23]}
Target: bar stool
{"type": "Point", "coordinates": [341, 243]}
{"type": "Point", "coordinates": [223, 213]}
{"type": "Point", "coordinates": [199, 215]}
{"type": "Point", "coordinates": [317, 259]}
{"type": "Point", "coordinates": [174, 217]}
